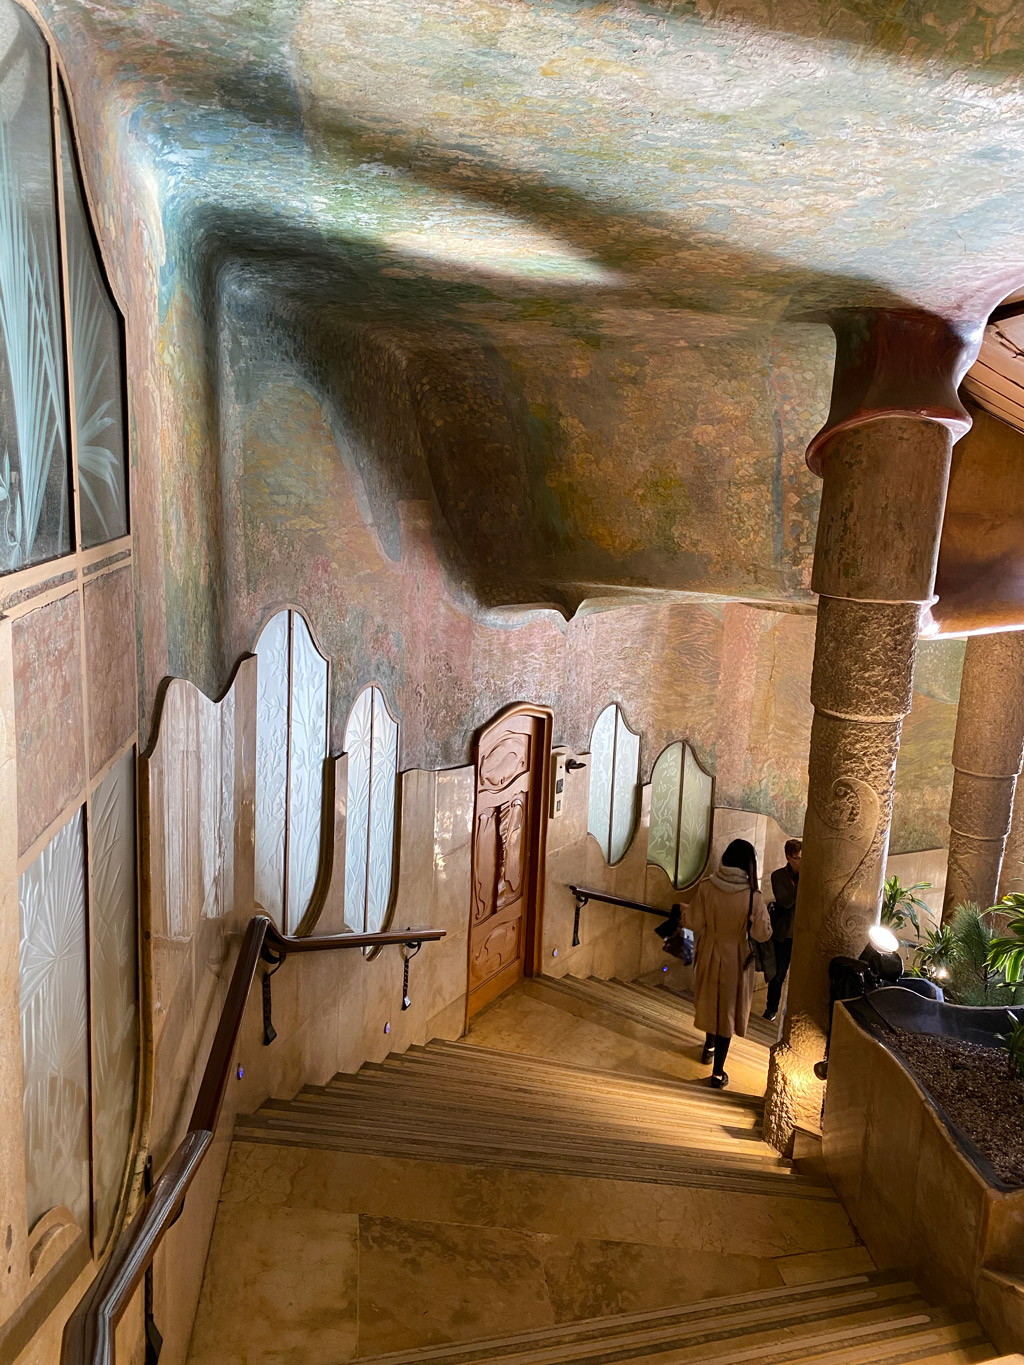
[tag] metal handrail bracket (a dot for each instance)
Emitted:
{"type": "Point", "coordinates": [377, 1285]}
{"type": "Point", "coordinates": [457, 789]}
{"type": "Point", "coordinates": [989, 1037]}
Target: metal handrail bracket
{"type": "Point", "coordinates": [89, 1331]}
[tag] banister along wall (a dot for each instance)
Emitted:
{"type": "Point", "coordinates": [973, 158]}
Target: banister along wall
{"type": "Point", "coordinates": [89, 1332]}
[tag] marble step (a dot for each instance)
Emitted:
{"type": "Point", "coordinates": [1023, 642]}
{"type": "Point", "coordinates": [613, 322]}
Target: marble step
{"type": "Point", "coordinates": [877, 1317]}
{"type": "Point", "coordinates": [280, 1127]}
{"type": "Point", "coordinates": [624, 1011]}
{"type": "Point", "coordinates": [402, 1108]}
{"type": "Point", "coordinates": [456, 1127]}
{"type": "Point", "coordinates": [489, 1061]}
{"type": "Point", "coordinates": [759, 1031]}
{"type": "Point", "coordinates": [582, 1103]}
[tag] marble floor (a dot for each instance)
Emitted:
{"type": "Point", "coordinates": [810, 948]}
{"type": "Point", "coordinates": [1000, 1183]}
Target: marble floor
{"type": "Point", "coordinates": [325, 1251]}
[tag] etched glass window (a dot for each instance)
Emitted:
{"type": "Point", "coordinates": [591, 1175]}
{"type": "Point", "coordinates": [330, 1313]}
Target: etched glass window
{"type": "Point", "coordinates": [113, 984]}
{"type": "Point", "coordinates": [35, 523]}
{"type": "Point", "coordinates": [614, 783]}
{"type": "Point", "coordinates": [682, 802]}
{"type": "Point", "coordinates": [41, 233]}
{"type": "Point", "coordinates": [54, 1026]}
{"type": "Point", "coordinates": [371, 742]}
{"type": "Point", "coordinates": [291, 746]}
{"type": "Point", "coordinates": [97, 363]}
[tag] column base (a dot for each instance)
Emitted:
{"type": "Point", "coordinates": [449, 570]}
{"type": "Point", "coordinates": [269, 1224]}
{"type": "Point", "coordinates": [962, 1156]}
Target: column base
{"type": "Point", "coordinates": [793, 1099]}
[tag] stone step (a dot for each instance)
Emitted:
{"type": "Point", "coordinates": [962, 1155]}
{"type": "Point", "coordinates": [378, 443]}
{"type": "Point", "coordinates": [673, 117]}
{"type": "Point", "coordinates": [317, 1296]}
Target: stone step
{"type": "Point", "coordinates": [489, 1061]}
{"type": "Point", "coordinates": [617, 1007]}
{"type": "Point", "coordinates": [877, 1317]}
{"type": "Point", "coordinates": [759, 1031]}
{"type": "Point", "coordinates": [580, 1102]}
{"type": "Point", "coordinates": [448, 1111]}
{"type": "Point", "coordinates": [281, 1127]}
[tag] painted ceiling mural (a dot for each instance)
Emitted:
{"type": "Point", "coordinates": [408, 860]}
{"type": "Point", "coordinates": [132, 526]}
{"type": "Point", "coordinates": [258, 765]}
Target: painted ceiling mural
{"type": "Point", "coordinates": [460, 324]}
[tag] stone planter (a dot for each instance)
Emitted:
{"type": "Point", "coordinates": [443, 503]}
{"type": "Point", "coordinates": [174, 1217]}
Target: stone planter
{"type": "Point", "coordinates": [919, 1191]}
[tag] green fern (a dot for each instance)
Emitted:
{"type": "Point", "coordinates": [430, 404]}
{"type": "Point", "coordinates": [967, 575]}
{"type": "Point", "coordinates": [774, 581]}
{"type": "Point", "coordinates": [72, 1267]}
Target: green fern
{"type": "Point", "coordinates": [1007, 954]}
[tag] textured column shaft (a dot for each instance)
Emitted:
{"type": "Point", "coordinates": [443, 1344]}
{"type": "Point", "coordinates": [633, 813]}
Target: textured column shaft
{"type": "Point", "coordinates": [987, 753]}
{"type": "Point", "coordinates": [878, 536]}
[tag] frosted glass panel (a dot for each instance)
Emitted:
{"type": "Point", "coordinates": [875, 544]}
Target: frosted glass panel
{"type": "Point", "coordinates": [113, 971]}
{"type": "Point", "coordinates": [96, 352]}
{"type": "Point", "coordinates": [54, 1032]}
{"type": "Point", "coordinates": [34, 521]}
{"type": "Point", "coordinates": [272, 764]}
{"type": "Point", "coordinates": [602, 742]}
{"type": "Point", "coordinates": [371, 741]}
{"type": "Point", "coordinates": [663, 838]}
{"type": "Point", "coordinates": [358, 746]}
{"type": "Point", "coordinates": [382, 814]}
{"type": "Point", "coordinates": [694, 820]}
{"type": "Point", "coordinates": [309, 749]}
{"type": "Point", "coordinates": [625, 788]}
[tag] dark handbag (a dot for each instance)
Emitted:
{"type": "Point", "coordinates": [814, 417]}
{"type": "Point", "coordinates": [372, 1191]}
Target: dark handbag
{"type": "Point", "coordinates": [762, 955]}
{"type": "Point", "coordinates": [677, 940]}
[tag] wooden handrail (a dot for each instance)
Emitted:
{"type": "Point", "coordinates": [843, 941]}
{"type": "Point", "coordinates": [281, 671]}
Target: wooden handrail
{"type": "Point", "coordinates": [89, 1331]}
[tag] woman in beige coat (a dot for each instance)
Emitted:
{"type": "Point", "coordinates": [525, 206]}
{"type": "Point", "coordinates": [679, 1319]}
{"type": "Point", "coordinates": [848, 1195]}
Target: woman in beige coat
{"type": "Point", "coordinates": [726, 908]}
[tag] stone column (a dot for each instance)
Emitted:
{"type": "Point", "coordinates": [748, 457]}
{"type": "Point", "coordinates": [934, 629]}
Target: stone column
{"type": "Point", "coordinates": [987, 754]}
{"type": "Point", "coordinates": [884, 461]}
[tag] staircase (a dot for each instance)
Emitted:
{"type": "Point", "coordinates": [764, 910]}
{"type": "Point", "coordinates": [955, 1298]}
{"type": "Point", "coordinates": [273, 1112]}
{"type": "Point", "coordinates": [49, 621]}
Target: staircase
{"type": "Point", "coordinates": [560, 1186]}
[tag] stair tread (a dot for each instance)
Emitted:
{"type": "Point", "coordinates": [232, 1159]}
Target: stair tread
{"type": "Point", "coordinates": [831, 1315]}
{"type": "Point", "coordinates": [519, 1060]}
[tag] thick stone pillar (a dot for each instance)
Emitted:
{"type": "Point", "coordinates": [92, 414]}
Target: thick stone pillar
{"type": "Point", "coordinates": [884, 461]}
{"type": "Point", "coordinates": [987, 754]}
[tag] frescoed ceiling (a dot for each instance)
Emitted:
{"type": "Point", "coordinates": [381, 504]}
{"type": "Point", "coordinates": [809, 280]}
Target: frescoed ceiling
{"type": "Point", "coordinates": [561, 268]}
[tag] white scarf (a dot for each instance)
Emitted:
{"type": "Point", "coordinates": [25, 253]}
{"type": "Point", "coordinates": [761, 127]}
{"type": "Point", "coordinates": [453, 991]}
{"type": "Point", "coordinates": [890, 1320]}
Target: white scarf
{"type": "Point", "coordinates": [730, 879]}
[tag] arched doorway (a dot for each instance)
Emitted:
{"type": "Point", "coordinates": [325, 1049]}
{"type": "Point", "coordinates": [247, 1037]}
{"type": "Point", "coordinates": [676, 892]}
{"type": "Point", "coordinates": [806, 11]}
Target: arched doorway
{"type": "Point", "coordinates": [509, 827]}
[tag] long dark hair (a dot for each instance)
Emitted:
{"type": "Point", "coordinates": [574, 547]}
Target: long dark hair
{"type": "Point", "coordinates": [741, 854]}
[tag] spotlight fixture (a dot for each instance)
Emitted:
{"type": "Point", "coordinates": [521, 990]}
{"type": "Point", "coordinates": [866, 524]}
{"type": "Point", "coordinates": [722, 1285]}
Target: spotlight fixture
{"type": "Point", "coordinates": [882, 955]}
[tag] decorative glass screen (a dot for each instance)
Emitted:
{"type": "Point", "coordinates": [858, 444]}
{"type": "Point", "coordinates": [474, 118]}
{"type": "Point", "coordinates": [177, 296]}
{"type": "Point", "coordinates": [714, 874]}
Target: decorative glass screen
{"type": "Point", "coordinates": [55, 1026]}
{"type": "Point", "coordinates": [37, 356]}
{"type": "Point", "coordinates": [291, 745]}
{"type": "Point", "coordinates": [371, 742]}
{"type": "Point", "coordinates": [614, 783]}
{"type": "Point", "coordinates": [34, 515]}
{"type": "Point", "coordinates": [682, 798]}
{"type": "Point", "coordinates": [114, 984]}
{"type": "Point", "coordinates": [96, 355]}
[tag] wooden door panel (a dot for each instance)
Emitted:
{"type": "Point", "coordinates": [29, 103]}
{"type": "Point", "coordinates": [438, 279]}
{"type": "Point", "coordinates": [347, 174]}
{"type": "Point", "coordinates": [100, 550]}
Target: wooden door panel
{"type": "Point", "coordinates": [494, 949]}
{"type": "Point", "coordinates": [507, 759]}
{"type": "Point", "coordinates": [506, 832]}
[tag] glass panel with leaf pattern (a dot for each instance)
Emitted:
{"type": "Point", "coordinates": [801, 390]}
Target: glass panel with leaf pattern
{"type": "Point", "coordinates": [602, 747]}
{"type": "Point", "coordinates": [382, 814]}
{"type": "Point", "coordinates": [308, 740]}
{"type": "Point", "coordinates": [113, 982]}
{"type": "Point", "coordinates": [272, 764]}
{"type": "Point", "coordinates": [54, 1026]}
{"type": "Point", "coordinates": [371, 742]}
{"type": "Point", "coordinates": [359, 747]}
{"type": "Point", "coordinates": [614, 783]}
{"type": "Point", "coordinates": [694, 820]}
{"type": "Point", "coordinates": [34, 513]}
{"type": "Point", "coordinates": [666, 785]}
{"type": "Point", "coordinates": [625, 788]}
{"type": "Point", "coordinates": [96, 364]}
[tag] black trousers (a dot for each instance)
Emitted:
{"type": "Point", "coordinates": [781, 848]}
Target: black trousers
{"type": "Point", "coordinates": [720, 1045]}
{"type": "Point", "coordinates": [783, 952]}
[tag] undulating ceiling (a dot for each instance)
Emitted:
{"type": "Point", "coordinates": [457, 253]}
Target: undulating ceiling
{"type": "Point", "coordinates": [592, 245]}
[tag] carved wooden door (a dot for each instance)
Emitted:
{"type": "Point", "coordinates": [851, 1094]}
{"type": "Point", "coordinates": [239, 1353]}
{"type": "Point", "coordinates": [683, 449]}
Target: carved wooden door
{"type": "Point", "coordinates": [510, 764]}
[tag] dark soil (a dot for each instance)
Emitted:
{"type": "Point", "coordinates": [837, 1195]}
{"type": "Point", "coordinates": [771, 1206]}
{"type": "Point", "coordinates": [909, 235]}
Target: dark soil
{"type": "Point", "coordinates": [974, 1087]}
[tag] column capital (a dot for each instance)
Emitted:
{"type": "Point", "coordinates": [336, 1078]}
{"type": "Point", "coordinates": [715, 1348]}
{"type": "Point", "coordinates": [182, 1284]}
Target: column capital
{"type": "Point", "coordinates": [896, 363]}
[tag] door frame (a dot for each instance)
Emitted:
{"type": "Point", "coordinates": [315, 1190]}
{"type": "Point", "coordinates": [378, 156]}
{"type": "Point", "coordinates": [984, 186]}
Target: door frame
{"type": "Point", "coordinates": [533, 938]}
